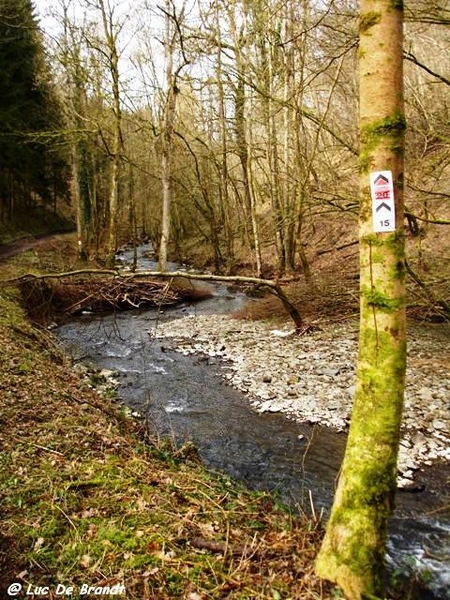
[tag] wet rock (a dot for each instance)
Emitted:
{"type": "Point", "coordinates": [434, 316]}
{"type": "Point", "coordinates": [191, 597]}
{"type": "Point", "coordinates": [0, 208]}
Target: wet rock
{"type": "Point", "coordinates": [270, 406]}
{"type": "Point", "coordinates": [108, 373]}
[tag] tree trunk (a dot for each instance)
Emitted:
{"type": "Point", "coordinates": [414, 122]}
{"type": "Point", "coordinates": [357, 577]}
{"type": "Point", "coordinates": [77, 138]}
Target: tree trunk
{"type": "Point", "coordinates": [288, 190]}
{"type": "Point", "coordinates": [165, 219]}
{"type": "Point", "coordinates": [268, 53]}
{"type": "Point", "coordinates": [80, 213]}
{"type": "Point", "coordinates": [353, 551]}
{"type": "Point", "coordinates": [243, 125]}
{"type": "Point", "coordinates": [225, 200]}
{"type": "Point", "coordinates": [167, 140]}
{"type": "Point", "coordinates": [111, 33]}
{"type": "Point", "coordinates": [243, 134]}
{"type": "Point", "coordinates": [248, 179]}
{"type": "Point", "coordinates": [75, 80]}
{"type": "Point", "coordinates": [113, 208]}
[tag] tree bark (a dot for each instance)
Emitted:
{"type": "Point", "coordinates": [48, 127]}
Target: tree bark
{"type": "Point", "coordinates": [115, 153]}
{"type": "Point", "coordinates": [353, 551]}
{"type": "Point", "coordinates": [167, 138]}
{"type": "Point", "coordinates": [243, 130]}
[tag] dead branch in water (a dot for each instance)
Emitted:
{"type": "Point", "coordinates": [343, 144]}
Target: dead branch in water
{"type": "Point", "coordinates": [121, 294]}
{"type": "Point", "coordinates": [123, 289]}
{"type": "Point", "coordinates": [273, 286]}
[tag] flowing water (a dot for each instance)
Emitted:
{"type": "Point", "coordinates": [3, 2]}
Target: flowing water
{"type": "Point", "coordinates": [185, 398]}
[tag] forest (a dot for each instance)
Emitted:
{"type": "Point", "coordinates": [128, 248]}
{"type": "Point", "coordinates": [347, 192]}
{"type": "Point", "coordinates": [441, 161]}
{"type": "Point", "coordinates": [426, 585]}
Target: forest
{"type": "Point", "coordinates": [264, 142]}
{"type": "Point", "coordinates": [224, 133]}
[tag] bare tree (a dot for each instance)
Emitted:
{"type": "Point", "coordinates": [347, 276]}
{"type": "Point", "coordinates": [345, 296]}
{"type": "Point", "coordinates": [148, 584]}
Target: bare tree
{"type": "Point", "coordinates": [172, 37]}
{"type": "Point", "coordinates": [110, 52]}
{"type": "Point", "coordinates": [353, 551]}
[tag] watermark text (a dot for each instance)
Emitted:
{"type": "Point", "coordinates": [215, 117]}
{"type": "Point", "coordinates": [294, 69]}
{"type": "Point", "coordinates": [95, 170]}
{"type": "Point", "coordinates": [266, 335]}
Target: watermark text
{"type": "Point", "coordinates": [17, 589]}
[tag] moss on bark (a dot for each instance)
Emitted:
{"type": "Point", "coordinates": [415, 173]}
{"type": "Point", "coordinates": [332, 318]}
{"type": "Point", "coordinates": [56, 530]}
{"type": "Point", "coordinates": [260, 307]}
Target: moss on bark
{"type": "Point", "coordinates": [353, 550]}
{"type": "Point", "coordinates": [388, 130]}
{"type": "Point", "coordinates": [368, 20]}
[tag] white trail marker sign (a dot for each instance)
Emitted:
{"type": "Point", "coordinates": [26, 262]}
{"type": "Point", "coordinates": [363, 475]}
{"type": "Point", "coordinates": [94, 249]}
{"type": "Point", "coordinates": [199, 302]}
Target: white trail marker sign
{"type": "Point", "coordinates": [383, 203]}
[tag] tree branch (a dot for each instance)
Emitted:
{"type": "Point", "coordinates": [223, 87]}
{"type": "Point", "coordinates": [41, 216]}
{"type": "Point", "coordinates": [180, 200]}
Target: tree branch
{"type": "Point", "coordinates": [274, 287]}
{"type": "Point", "coordinates": [423, 219]}
{"type": "Point", "coordinates": [409, 56]}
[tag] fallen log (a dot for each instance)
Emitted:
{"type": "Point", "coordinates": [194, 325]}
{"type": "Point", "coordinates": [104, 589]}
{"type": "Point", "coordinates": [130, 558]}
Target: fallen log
{"type": "Point", "coordinates": [273, 286]}
{"type": "Point", "coordinates": [130, 297]}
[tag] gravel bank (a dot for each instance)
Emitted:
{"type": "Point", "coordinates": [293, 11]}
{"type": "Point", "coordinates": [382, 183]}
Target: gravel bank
{"type": "Point", "coordinates": [312, 378]}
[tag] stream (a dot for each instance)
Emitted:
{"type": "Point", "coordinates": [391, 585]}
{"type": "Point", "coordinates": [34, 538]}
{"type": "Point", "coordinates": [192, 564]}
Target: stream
{"type": "Point", "coordinates": [184, 397]}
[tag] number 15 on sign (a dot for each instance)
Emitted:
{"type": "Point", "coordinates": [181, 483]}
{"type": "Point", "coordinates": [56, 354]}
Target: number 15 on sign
{"type": "Point", "coordinates": [383, 203]}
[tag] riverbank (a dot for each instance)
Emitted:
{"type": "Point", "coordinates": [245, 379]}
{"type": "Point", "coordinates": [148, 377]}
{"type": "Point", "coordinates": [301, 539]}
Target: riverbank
{"type": "Point", "coordinates": [311, 378]}
{"type": "Point", "coordinates": [88, 500]}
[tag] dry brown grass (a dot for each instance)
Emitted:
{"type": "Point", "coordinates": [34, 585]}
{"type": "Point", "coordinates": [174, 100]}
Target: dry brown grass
{"type": "Point", "coordinates": [328, 298]}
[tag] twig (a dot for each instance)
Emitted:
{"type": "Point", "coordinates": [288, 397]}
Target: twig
{"type": "Point", "coordinates": [219, 547]}
{"type": "Point", "coordinates": [48, 449]}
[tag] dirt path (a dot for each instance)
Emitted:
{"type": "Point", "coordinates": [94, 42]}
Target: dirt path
{"type": "Point", "coordinates": [25, 243]}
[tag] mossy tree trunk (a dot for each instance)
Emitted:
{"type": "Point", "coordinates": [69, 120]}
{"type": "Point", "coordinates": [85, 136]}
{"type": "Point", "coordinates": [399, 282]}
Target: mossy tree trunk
{"type": "Point", "coordinates": [353, 551]}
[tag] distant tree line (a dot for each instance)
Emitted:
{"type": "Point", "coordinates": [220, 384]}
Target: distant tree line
{"type": "Point", "coordinates": [223, 132]}
{"type": "Point", "coordinates": [33, 159]}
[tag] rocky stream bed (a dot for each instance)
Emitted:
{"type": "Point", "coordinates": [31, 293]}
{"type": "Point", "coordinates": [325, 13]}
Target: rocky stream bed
{"type": "Point", "coordinates": [311, 378]}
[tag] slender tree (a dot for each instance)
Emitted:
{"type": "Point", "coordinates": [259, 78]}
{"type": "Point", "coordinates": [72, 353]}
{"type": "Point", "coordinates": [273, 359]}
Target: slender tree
{"type": "Point", "coordinates": [224, 188]}
{"type": "Point", "coordinates": [172, 37]}
{"type": "Point", "coordinates": [111, 31]}
{"type": "Point", "coordinates": [75, 77]}
{"type": "Point", "coordinates": [167, 136]}
{"type": "Point", "coordinates": [243, 96]}
{"type": "Point", "coordinates": [353, 551]}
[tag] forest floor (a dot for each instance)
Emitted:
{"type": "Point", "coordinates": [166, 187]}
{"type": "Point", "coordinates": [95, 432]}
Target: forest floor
{"type": "Point", "coordinates": [89, 501]}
